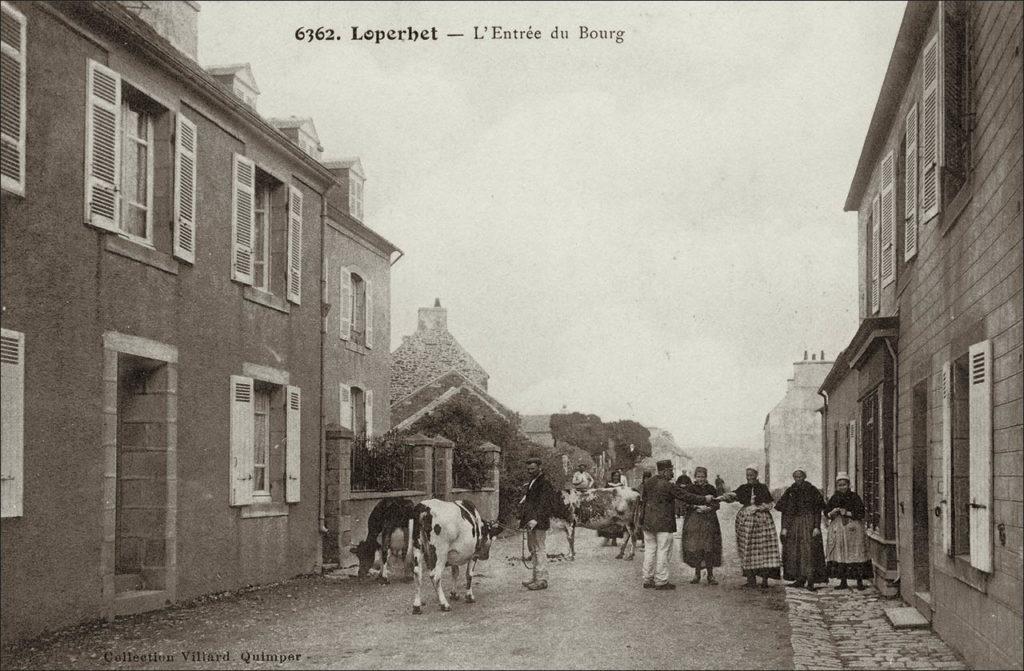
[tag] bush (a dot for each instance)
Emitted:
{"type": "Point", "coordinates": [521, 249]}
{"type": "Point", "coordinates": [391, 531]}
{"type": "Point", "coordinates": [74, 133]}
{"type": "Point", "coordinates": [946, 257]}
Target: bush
{"type": "Point", "coordinates": [381, 464]}
{"type": "Point", "coordinates": [471, 468]}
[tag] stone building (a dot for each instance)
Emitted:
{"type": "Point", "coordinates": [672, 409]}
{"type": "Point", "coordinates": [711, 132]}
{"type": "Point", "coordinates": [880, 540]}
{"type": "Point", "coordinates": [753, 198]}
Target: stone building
{"type": "Point", "coordinates": [429, 353]}
{"type": "Point", "coordinates": [924, 405]}
{"type": "Point", "coordinates": [792, 430]}
{"type": "Point", "coordinates": [162, 244]}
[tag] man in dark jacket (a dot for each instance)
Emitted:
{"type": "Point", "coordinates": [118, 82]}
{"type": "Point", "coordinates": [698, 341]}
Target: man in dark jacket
{"type": "Point", "coordinates": [537, 505]}
{"type": "Point", "coordinates": [658, 496]}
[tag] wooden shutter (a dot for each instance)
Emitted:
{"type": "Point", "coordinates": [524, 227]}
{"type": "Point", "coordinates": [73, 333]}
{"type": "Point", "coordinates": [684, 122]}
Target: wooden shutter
{"type": "Point", "coordinates": [930, 131]}
{"type": "Point", "coordinates": [12, 100]}
{"type": "Point", "coordinates": [103, 148]}
{"type": "Point", "coordinates": [345, 303]}
{"type": "Point", "coordinates": [368, 286]}
{"type": "Point", "coordinates": [294, 245]}
{"type": "Point", "coordinates": [185, 144]}
{"type": "Point", "coordinates": [980, 408]}
{"type": "Point", "coordinates": [910, 190]}
{"type": "Point", "coordinates": [368, 395]}
{"type": "Point", "coordinates": [12, 411]}
{"type": "Point", "coordinates": [946, 501]}
{"type": "Point", "coordinates": [242, 437]}
{"type": "Point", "coordinates": [851, 458]}
{"type": "Point", "coordinates": [876, 256]}
{"type": "Point", "coordinates": [345, 405]}
{"type": "Point", "coordinates": [888, 230]}
{"type": "Point", "coordinates": [293, 443]}
{"type": "Point", "coordinates": [243, 218]}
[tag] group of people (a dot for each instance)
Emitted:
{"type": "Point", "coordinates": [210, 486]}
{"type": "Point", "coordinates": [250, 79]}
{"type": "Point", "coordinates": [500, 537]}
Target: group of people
{"type": "Point", "coordinates": [688, 509]}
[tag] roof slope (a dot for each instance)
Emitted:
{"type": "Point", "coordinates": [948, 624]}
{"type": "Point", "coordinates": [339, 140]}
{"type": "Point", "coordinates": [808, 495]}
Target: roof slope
{"type": "Point", "coordinates": [426, 355]}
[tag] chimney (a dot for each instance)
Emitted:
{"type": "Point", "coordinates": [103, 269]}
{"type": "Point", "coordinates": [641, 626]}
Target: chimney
{"type": "Point", "coordinates": [175, 21]}
{"type": "Point", "coordinates": [805, 355]}
{"type": "Point", "coordinates": [433, 319]}
{"type": "Point", "coordinates": [822, 355]}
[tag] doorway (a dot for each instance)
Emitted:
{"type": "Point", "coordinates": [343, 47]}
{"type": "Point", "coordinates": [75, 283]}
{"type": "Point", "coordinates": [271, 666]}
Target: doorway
{"type": "Point", "coordinates": [919, 496]}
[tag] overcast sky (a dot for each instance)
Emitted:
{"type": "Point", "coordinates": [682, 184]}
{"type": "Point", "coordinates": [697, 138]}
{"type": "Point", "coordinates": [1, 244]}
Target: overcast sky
{"type": "Point", "coordinates": [649, 230]}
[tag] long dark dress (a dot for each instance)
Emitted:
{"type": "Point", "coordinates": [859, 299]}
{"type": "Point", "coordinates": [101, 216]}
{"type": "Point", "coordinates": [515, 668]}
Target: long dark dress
{"type": "Point", "coordinates": [803, 553]}
{"type": "Point", "coordinates": [756, 541]}
{"type": "Point", "coordinates": [702, 535]}
{"type": "Point", "coordinates": [845, 553]}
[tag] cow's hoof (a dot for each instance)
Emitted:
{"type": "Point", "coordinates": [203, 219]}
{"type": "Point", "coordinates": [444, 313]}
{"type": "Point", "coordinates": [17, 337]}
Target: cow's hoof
{"type": "Point", "coordinates": [382, 581]}
{"type": "Point", "coordinates": [470, 599]}
{"type": "Point", "coordinates": [416, 610]}
{"type": "Point", "coordinates": [445, 608]}
{"type": "Point", "coordinates": [454, 597]}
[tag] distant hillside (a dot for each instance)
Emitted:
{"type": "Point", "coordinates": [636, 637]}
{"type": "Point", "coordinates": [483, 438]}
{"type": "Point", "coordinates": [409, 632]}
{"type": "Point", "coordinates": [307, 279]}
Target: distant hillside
{"type": "Point", "coordinates": [730, 462]}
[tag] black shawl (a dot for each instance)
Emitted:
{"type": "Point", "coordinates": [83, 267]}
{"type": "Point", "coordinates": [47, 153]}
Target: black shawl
{"type": "Point", "coordinates": [850, 500]}
{"type": "Point", "coordinates": [758, 492]}
{"type": "Point", "coordinates": [801, 497]}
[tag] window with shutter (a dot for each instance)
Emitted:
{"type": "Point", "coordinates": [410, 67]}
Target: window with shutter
{"type": "Point", "coordinates": [103, 148]}
{"type": "Point", "coordinates": [185, 144]}
{"type": "Point", "coordinates": [930, 131]}
{"type": "Point", "coordinates": [242, 219]}
{"type": "Point", "coordinates": [980, 401]}
{"type": "Point", "coordinates": [293, 444]}
{"type": "Point", "coordinates": [368, 395]}
{"type": "Point", "coordinates": [294, 245]}
{"type": "Point", "coordinates": [345, 303]}
{"type": "Point", "coordinates": [242, 440]}
{"type": "Point", "coordinates": [368, 318]}
{"type": "Point", "coordinates": [12, 99]}
{"type": "Point", "coordinates": [910, 192]}
{"type": "Point", "coordinates": [887, 261]}
{"type": "Point", "coordinates": [955, 83]}
{"type": "Point", "coordinates": [12, 412]}
{"type": "Point", "coordinates": [345, 406]}
{"type": "Point", "coordinates": [946, 391]}
{"type": "Point", "coordinates": [876, 257]}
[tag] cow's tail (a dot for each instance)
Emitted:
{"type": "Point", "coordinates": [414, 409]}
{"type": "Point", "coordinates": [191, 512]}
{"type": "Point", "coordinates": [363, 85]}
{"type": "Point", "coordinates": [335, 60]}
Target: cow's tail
{"type": "Point", "coordinates": [411, 527]}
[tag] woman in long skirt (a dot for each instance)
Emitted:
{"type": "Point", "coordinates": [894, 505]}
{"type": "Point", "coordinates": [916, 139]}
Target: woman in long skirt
{"type": "Point", "coordinates": [702, 535]}
{"type": "Point", "coordinates": [845, 552]}
{"type": "Point", "coordinates": [803, 552]}
{"type": "Point", "coordinates": [756, 539]}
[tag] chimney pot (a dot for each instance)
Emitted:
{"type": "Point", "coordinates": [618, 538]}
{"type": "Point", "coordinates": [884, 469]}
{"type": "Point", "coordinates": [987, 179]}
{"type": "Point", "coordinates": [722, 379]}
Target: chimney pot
{"type": "Point", "coordinates": [822, 355]}
{"type": "Point", "coordinates": [805, 355]}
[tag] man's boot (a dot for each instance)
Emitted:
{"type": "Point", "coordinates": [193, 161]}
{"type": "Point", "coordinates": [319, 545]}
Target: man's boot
{"type": "Point", "coordinates": [540, 584]}
{"type": "Point", "coordinates": [696, 577]}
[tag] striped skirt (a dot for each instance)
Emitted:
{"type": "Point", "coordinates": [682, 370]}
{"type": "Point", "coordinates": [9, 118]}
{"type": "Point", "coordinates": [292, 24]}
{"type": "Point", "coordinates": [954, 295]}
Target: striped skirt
{"type": "Point", "coordinates": [757, 543]}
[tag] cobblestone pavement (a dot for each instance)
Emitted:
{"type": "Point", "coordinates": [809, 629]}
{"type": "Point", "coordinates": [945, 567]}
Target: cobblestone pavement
{"type": "Point", "coordinates": [848, 630]}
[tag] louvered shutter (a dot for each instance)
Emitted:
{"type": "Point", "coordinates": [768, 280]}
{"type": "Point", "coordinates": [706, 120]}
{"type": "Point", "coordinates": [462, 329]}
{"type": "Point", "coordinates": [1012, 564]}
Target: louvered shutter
{"type": "Point", "coordinates": [888, 232]}
{"type": "Point", "coordinates": [851, 458]}
{"type": "Point", "coordinates": [293, 442]}
{"type": "Point", "coordinates": [185, 145]}
{"type": "Point", "coordinates": [345, 303]}
{"type": "Point", "coordinates": [345, 405]}
{"type": "Point", "coordinates": [369, 314]}
{"type": "Point", "coordinates": [980, 404]}
{"type": "Point", "coordinates": [243, 222]}
{"type": "Point", "coordinates": [368, 395]}
{"type": "Point", "coordinates": [242, 438]}
{"type": "Point", "coordinates": [910, 191]}
{"type": "Point", "coordinates": [294, 245]}
{"type": "Point", "coordinates": [946, 502]}
{"type": "Point", "coordinates": [930, 131]}
{"type": "Point", "coordinates": [876, 256]}
{"type": "Point", "coordinates": [12, 100]}
{"type": "Point", "coordinates": [103, 148]}
{"type": "Point", "coordinates": [12, 411]}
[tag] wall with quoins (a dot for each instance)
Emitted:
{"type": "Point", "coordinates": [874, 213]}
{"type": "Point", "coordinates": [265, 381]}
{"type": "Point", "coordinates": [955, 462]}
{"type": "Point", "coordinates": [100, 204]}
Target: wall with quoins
{"type": "Point", "coordinates": [66, 284]}
{"type": "Point", "coordinates": [964, 287]}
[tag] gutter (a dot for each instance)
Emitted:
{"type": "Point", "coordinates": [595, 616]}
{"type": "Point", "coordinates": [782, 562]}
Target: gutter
{"type": "Point", "coordinates": [321, 457]}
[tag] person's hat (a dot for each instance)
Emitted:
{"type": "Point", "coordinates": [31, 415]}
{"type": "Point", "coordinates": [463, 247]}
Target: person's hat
{"type": "Point", "coordinates": [842, 475]}
{"type": "Point", "coordinates": [753, 467]}
{"type": "Point", "coordinates": [534, 460]}
{"type": "Point", "coordinates": [664, 464]}
{"type": "Point", "coordinates": [581, 465]}
{"type": "Point", "coordinates": [700, 469]}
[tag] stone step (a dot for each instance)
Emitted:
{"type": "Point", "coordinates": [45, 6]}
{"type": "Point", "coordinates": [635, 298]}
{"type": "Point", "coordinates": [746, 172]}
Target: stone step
{"type": "Point", "coordinates": [127, 582]}
{"type": "Point", "coordinates": [906, 618]}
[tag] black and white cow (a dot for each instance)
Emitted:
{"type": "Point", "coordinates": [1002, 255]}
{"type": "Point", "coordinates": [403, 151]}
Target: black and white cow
{"type": "Point", "coordinates": [386, 532]}
{"type": "Point", "coordinates": [565, 515]}
{"type": "Point", "coordinates": [447, 533]}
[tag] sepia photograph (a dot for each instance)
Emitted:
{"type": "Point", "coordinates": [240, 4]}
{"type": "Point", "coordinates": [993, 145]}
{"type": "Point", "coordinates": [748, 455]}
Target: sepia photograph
{"type": "Point", "coordinates": [511, 335]}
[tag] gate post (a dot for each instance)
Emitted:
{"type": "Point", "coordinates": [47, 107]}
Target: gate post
{"type": "Point", "coordinates": [338, 491]}
{"type": "Point", "coordinates": [443, 481]}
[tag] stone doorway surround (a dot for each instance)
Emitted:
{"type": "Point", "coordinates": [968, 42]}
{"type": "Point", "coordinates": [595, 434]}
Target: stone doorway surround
{"type": "Point", "coordinates": [114, 345]}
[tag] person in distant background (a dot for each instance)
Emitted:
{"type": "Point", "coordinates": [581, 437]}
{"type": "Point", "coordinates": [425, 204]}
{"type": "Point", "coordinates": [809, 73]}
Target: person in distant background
{"type": "Point", "coordinates": [618, 479]}
{"type": "Point", "coordinates": [683, 481]}
{"type": "Point", "coordinates": [581, 480]}
{"type": "Point", "coordinates": [719, 485]}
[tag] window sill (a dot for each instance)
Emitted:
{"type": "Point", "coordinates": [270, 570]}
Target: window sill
{"type": "Point", "coordinates": [265, 509]}
{"type": "Point", "coordinates": [361, 496]}
{"type": "Point", "coordinates": [133, 250]}
{"type": "Point", "coordinates": [265, 298]}
{"type": "Point", "coordinates": [461, 490]}
{"type": "Point", "coordinates": [355, 347]}
{"type": "Point", "coordinates": [875, 536]}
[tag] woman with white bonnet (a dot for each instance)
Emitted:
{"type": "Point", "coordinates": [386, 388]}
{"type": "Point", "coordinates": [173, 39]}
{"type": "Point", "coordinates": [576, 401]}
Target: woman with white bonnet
{"type": "Point", "coordinates": [756, 539]}
{"type": "Point", "coordinates": [845, 551]}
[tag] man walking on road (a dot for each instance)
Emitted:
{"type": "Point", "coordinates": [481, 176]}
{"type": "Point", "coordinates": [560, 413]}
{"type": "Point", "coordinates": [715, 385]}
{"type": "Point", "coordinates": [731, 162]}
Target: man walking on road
{"type": "Point", "coordinates": [658, 496]}
{"type": "Point", "coordinates": [536, 519]}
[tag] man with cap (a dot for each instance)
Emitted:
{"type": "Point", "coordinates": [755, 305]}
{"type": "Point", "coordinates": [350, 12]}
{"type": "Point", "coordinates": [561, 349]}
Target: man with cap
{"type": "Point", "coordinates": [657, 497]}
{"type": "Point", "coordinates": [537, 504]}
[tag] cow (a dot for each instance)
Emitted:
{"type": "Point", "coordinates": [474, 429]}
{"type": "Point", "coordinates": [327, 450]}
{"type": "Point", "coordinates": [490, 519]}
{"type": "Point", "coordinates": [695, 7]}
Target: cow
{"type": "Point", "coordinates": [564, 516]}
{"type": "Point", "coordinates": [385, 533]}
{"type": "Point", "coordinates": [447, 533]}
{"type": "Point", "coordinates": [625, 510]}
